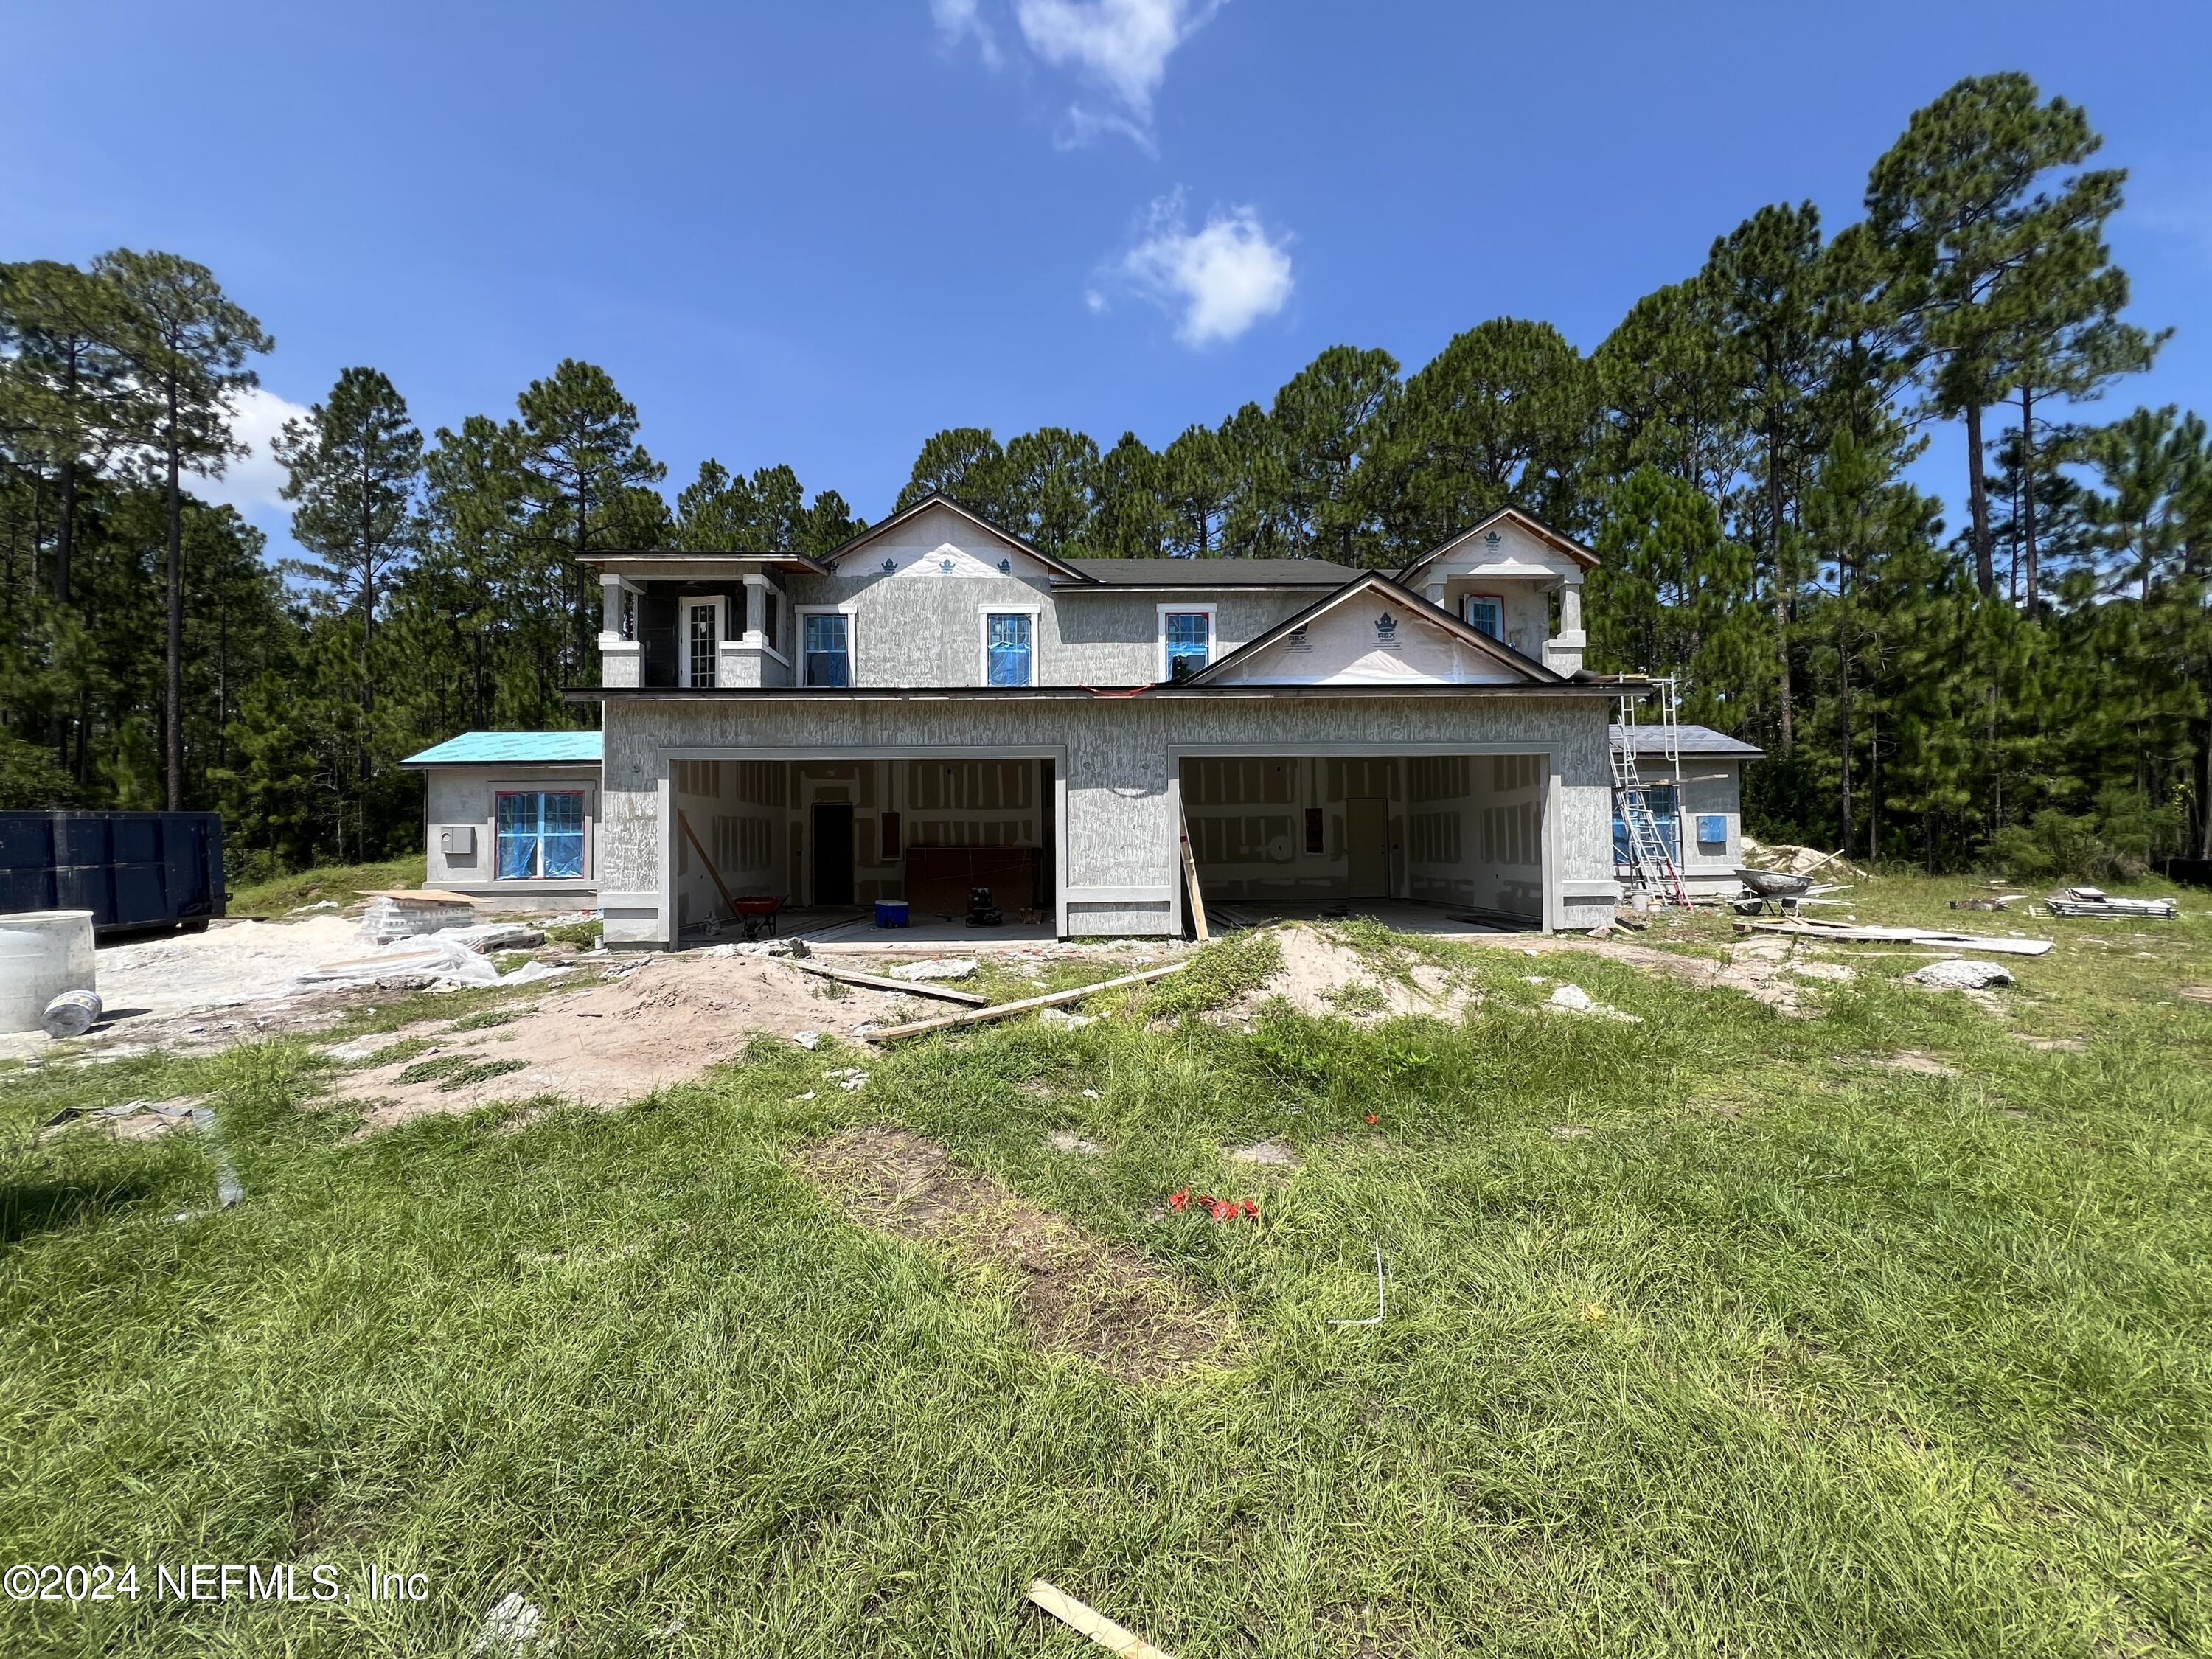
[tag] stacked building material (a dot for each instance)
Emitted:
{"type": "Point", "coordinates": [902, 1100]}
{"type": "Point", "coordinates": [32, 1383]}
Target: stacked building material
{"type": "Point", "coordinates": [398, 914]}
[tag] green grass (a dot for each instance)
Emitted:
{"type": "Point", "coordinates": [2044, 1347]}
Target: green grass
{"type": "Point", "coordinates": [1787, 1354]}
{"type": "Point", "coordinates": [281, 895]}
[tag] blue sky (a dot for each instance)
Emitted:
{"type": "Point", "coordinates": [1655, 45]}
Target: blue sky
{"type": "Point", "coordinates": [816, 233]}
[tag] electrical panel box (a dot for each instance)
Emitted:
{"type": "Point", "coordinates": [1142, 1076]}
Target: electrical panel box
{"type": "Point", "coordinates": [459, 841]}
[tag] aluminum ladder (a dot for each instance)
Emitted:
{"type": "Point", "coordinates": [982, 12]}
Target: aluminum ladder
{"type": "Point", "coordinates": [1648, 858]}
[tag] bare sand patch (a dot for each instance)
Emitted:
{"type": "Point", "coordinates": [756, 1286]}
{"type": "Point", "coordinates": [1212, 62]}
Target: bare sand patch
{"type": "Point", "coordinates": [1762, 968]}
{"type": "Point", "coordinates": [1322, 975]}
{"type": "Point", "coordinates": [1075, 1293]}
{"type": "Point", "coordinates": [662, 1021]}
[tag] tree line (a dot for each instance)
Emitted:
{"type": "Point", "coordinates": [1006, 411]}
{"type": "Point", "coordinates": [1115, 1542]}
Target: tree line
{"type": "Point", "coordinates": [2027, 679]}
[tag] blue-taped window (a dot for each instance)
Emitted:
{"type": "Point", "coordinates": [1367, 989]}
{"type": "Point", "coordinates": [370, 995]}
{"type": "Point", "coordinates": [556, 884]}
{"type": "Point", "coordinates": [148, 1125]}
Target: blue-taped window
{"type": "Point", "coordinates": [1009, 650]}
{"type": "Point", "coordinates": [1659, 798]}
{"type": "Point", "coordinates": [541, 836]}
{"type": "Point", "coordinates": [1485, 614]}
{"type": "Point", "coordinates": [1189, 642]}
{"type": "Point", "coordinates": [829, 656]}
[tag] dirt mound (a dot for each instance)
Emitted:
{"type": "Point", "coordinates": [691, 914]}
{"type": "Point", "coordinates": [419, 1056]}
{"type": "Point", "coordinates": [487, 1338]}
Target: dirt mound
{"type": "Point", "coordinates": [1322, 975]}
{"type": "Point", "coordinates": [1076, 1294]}
{"type": "Point", "coordinates": [664, 1021]}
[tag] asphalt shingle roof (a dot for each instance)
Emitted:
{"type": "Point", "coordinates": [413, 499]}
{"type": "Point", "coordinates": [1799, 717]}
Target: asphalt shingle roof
{"type": "Point", "coordinates": [1216, 572]}
{"type": "Point", "coordinates": [1690, 740]}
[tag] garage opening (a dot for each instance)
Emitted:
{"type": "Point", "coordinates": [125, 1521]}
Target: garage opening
{"type": "Point", "coordinates": [826, 840]}
{"type": "Point", "coordinates": [1442, 842]}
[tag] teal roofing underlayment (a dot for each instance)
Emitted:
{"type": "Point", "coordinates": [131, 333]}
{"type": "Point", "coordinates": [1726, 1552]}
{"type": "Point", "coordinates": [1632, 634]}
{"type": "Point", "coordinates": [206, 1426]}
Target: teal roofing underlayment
{"type": "Point", "coordinates": [512, 749]}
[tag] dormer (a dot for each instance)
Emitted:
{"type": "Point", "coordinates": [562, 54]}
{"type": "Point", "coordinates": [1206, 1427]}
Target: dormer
{"type": "Point", "coordinates": [1498, 577]}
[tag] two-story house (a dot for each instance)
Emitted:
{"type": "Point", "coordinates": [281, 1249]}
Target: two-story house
{"type": "Point", "coordinates": [938, 706]}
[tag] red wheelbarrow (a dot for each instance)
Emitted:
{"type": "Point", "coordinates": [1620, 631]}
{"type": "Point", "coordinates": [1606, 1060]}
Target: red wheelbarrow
{"type": "Point", "coordinates": [756, 915]}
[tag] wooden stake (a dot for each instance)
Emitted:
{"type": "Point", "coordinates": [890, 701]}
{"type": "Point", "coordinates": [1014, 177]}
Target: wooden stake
{"type": "Point", "coordinates": [1008, 1010]}
{"type": "Point", "coordinates": [1190, 875]}
{"type": "Point", "coordinates": [715, 875]}
{"type": "Point", "coordinates": [878, 982]}
{"type": "Point", "coordinates": [1093, 1623]}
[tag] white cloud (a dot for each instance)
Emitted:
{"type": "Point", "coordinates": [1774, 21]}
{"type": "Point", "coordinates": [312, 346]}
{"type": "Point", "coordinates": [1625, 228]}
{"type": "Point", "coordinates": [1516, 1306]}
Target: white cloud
{"type": "Point", "coordinates": [251, 484]}
{"type": "Point", "coordinates": [1120, 47]}
{"type": "Point", "coordinates": [959, 19]}
{"type": "Point", "coordinates": [1217, 281]}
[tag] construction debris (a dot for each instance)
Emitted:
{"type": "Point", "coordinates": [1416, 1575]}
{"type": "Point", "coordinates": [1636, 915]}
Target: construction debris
{"type": "Point", "coordinates": [1573, 999]}
{"type": "Point", "coordinates": [1928, 936]}
{"type": "Point", "coordinates": [1797, 860]}
{"type": "Point", "coordinates": [1957, 973]}
{"type": "Point", "coordinates": [2094, 902]}
{"type": "Point", "coordinates": [1088, 1621]}
{"type": "Point", "coordinates": [934, 968]}
{"type": "Point", "coordinates": [1008, 1010]}
{"type": "Point", "coordinates": [395, 913]}
{"type": "Point", "coordinates": [901, 984]}
{"type": "Point", "coordinates": [441, 958]}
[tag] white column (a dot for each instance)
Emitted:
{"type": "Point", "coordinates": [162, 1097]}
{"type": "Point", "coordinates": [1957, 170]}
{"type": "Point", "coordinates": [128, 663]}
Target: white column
{"type": "Point", "coordinates": [1563, 652]}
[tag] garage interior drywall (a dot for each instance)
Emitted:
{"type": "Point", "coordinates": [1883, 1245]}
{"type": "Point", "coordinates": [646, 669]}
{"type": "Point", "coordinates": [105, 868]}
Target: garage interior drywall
{"type": "Point", "coordinates": [927, 830]}
{"type": "Point", "coordinates": [1462, 829]}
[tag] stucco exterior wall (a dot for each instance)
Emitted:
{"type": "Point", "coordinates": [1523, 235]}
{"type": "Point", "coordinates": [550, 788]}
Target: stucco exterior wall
{"type": "Point", "coordinates": [463, 798]}
{"type": "Point", "coordinates": [1711, 788]}
{"type": "Point", "coordinates": [1117, 761]}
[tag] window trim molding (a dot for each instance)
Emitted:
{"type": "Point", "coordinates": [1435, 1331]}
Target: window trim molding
{"type": "Point", "coordinates": [848, 610]}
{"type": "Point", "coordinates": [1209, 609]}
{"type": "Point", "coordinates": [1497, 599]}
{"type": "Point", "coordinates": [685, 605]}
{"type": "Point", "coordinates": [588, 794]}
{"type": "Point", "coordinates": [984, 612]}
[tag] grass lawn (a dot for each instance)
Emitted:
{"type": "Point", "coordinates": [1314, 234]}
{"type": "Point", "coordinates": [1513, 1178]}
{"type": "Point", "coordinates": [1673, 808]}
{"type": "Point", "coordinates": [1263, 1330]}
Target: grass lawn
{"type": "Point", "coordinates": [280, 894]}
{"type": "Point", "coordinates": [1706, 1334]}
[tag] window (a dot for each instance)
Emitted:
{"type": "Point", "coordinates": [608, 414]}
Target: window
{"type": "Point", "coordinates": [1485, 614]}
{"type": "Point", "coordinates": [1659, 798]}
{"type": "Point", "coordinates": [1189, 639]}
{"type": "Point", "coordinates": [828, 653]}
{"type": "Point", "coordinates": [541, 836]}
{"type": "Point", "coordinates": [702, 644]}
{"type": "Point", "coordinates": [1006, 647]}
{"type": "Point", "coordinates": [1712, 832]}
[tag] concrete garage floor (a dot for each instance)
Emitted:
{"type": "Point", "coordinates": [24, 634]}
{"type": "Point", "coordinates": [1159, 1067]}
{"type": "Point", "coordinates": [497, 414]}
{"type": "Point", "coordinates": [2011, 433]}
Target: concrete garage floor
{"type": "Point", "coordinates": [854, 925]}
{"type": "Point", "coordinates": [1401, 915]}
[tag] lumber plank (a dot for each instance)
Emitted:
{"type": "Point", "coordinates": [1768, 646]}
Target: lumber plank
{"type": "Point", "coordinates": [1008, 1010]}
{"type": "Point", "coordinates": [1113, 1637]}
{"type": "Point", "coordinates": [692, 836]}
{"type": "Point", "coordinates": [880, 982]}
{"type": "Point", "coordinates": [1190, 875]}
{"type": "Point", "coordinates": [1930, 936]}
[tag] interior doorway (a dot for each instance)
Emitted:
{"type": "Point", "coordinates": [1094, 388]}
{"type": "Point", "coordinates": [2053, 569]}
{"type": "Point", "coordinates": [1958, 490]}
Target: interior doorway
{"type": "Point", "coordinates": [1367, 846]}
{"type": "Point", "coordinates": [833, 853]}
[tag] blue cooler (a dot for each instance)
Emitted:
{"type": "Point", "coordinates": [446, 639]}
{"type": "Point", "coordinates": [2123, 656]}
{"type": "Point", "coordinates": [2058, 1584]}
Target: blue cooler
{"type": "Point", "coordinates": [890, 912]}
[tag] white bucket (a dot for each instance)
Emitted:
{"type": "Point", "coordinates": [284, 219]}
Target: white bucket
{"type": "Point", "coordinates": [43, 953]}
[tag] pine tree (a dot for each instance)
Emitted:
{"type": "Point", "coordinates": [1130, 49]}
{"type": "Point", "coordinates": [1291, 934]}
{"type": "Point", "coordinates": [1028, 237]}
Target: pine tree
{"type": "Point", "coordinates": [354, 465]}
{"type": "Point", "coordinates": [185, 346]}
{"type": "Point", "coordinates": [1502, 416]}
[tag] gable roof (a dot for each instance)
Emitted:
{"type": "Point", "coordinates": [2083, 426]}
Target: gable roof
{"type": "Point", "coordinates": [512, 749]}
{"type": "Point", "coordinates": [938, 498]}
{"type": "Point", "coordinates": [1543, 532]}
{"type": "Point", "coordinates": [1375, 581]}
{"type": "Point", "coordinates": [1216, 573]}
